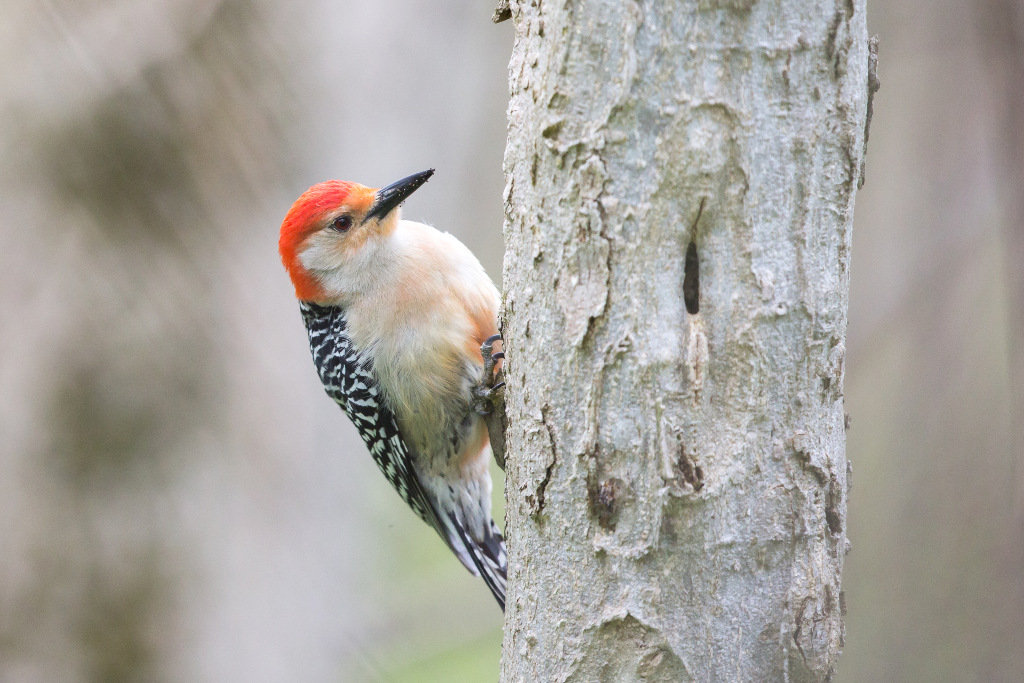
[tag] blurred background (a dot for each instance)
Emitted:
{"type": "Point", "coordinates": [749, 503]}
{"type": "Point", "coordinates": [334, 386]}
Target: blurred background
{"type": "Point", "coordinates": [179, 501]}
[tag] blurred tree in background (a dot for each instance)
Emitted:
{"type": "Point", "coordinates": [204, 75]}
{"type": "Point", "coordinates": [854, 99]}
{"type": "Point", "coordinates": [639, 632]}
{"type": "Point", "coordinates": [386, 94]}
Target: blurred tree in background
{"type": "Point", "coordinates": [179, 501]}
{"type": "Point", "coordinates": [935, 582]}
{"type": "Point", "coordinates": [163, 433]}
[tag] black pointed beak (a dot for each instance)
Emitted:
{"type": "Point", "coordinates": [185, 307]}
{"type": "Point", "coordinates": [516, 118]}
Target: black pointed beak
{"type": "Point", "coordinates": [389, 197]}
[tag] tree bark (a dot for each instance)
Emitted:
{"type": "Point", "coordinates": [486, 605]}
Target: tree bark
{"type": "Point", "coordinates": [679, 204]}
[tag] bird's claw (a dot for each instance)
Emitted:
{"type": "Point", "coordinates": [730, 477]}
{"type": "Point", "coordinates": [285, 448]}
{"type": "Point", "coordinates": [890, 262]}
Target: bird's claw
{"type": "Point", "coordinates": [487, 351]}
{"type": "Point", "coordinates": [488, 393]}
{"type": "Point", "coordinates": [489, 398]}
{"type": "Point", "coordinates": [490, 360]}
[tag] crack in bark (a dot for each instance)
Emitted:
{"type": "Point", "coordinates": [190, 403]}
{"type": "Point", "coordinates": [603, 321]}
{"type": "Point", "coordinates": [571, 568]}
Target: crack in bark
{"type": "Point", "coordinates": [602, 213]}
{"type": "Point", "coordinates": [874, 85]}
{"type": "Point", "coordinates": [688, 469]}
{"type": "Point", "coordinates": [543, 485]}
{"type": "Point", "coordinates": [604, 498]}
{"type": "Point", "coordinates": [798, 626]}
{"type": "Point", "coordinates": [833, 506]}
{"type": "Point", "coordinates": [833, 49]}
{"type": "Point", "coordinates": [691, 280]}
{"type": "Point", "coordinates": [833, 34]}
{"type": "Point", "coordinates": [691, 266]}
{"type": "Point", "coordinates": [802, 451]}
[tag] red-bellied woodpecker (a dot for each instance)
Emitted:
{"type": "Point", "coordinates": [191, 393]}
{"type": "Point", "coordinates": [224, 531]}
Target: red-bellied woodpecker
{"type": "Point", "coordinates": [397, 313]}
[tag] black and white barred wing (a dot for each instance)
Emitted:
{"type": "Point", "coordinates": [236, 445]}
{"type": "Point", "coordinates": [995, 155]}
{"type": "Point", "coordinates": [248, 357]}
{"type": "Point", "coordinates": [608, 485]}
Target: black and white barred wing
{"type": "Point", "coordinates": [349, 380]}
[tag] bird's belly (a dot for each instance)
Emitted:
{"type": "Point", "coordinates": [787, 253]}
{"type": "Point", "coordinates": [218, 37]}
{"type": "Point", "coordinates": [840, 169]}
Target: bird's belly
{"type": "Point", "coordinates": [427, 378]}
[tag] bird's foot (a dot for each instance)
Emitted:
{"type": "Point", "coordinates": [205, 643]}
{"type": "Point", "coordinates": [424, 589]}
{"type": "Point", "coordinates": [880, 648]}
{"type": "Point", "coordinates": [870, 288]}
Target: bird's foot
{"type": "Point", "coordinates": [489, 398]}
{"type": "Point", "coordinates": [488, 394]}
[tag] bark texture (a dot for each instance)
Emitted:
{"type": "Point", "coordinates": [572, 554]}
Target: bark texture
{"type": "Point", "coordinates": [677, 477]}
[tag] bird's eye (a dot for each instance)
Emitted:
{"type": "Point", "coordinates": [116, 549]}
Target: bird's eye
{"type": "Point", "coordinates": [342, 223]}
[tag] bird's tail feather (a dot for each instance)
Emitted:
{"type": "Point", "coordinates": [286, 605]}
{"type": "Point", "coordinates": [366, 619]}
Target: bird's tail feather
{"type": "Point", "coordinates": [487, 558]}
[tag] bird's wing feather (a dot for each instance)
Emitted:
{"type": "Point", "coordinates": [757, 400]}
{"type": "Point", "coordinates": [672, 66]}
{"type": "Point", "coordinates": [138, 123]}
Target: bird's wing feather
{"type": "Point", "coordinates": [348, 379]}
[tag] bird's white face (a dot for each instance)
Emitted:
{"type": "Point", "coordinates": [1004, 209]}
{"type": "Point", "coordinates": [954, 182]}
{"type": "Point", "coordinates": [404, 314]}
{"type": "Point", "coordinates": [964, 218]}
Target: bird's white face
{"type": "Point", "coordinates": [345, 256]}
{"type": "Point", "coordinates": [330, 236]}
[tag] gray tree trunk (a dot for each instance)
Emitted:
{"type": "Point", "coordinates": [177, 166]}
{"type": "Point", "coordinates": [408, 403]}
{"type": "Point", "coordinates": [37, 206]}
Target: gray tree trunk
{"type": "Point", "coordinates": [676, 464]}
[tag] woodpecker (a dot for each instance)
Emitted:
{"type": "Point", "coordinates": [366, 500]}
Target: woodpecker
{"type": "Point", "coordinates": [402, 320]}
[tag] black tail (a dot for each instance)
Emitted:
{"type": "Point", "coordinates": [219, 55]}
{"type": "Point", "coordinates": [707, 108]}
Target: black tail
{"type": "Point", "coordinates": [488, 557]}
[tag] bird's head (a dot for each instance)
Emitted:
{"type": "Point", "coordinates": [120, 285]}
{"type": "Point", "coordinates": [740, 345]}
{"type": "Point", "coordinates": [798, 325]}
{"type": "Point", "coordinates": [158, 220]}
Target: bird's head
{"type": "Point", "coordinates": [328, 227]}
